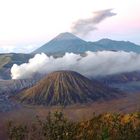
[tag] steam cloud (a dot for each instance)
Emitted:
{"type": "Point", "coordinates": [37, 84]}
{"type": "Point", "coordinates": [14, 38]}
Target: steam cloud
{"type": "Point", "coordinates": [84, 26]}
{"type": "Point", "coordinates": [93, 64]}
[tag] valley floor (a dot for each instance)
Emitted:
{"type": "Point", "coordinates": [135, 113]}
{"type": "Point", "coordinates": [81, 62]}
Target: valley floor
{"type": "Point", "coordinates": [26, 113]}
{"type": "Point", "coordinates": [128, 104]}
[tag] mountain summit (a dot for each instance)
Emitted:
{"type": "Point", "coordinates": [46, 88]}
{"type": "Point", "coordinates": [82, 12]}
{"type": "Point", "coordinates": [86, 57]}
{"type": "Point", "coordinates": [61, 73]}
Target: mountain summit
{"type": "Point", "coordinates": [67, 42]}
{"type": "Point", "coordinates": [66, 36]}
{"type": "Point", "coordinates": [64, 42]}
{"type": "Point", "coordinates": [65, 88]}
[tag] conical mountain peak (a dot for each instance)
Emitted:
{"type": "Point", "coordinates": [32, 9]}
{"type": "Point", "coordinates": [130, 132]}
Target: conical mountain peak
{"type": "Point", "coordinates": [65, 88]}
{"type": "Point", "coordinates": [62, 43]}
{"type": "Point", "coordinates": [66, 36]}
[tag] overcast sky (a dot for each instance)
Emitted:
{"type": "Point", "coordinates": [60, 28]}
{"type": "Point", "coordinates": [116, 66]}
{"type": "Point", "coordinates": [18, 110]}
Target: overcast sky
{"type": "Point", "coordinates": [27, 24]}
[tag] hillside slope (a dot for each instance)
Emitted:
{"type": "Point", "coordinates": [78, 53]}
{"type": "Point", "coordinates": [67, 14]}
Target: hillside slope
{"type": "Point", "coordinates": [108, 44]}
{"type": "Point", "coordinates": [64, 88]}
{"type": "Point", "coordinates": [7, 61]}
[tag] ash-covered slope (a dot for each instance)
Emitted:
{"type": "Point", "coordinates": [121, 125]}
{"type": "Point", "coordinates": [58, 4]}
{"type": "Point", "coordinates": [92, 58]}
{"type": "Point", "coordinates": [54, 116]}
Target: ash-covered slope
{"type": "Point", "coordinates": [64, 88]}
{"type": "Point", "coordinates": [9, 88]}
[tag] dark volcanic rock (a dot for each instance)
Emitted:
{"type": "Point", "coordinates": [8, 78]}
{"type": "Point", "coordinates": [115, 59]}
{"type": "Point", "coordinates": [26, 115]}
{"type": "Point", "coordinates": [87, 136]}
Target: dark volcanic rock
{"type": "Point", "coordinates": [9, 88]}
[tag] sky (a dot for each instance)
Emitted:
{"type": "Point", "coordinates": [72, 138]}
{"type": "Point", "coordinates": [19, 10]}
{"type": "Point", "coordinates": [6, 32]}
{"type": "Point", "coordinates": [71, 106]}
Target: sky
{"type": "Point", "coordinates": [27, 24]}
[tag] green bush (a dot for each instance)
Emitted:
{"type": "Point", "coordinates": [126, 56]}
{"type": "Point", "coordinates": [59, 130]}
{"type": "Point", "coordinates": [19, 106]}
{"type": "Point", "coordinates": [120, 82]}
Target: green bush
{"type": "Point", "coordinates": [99, 127]}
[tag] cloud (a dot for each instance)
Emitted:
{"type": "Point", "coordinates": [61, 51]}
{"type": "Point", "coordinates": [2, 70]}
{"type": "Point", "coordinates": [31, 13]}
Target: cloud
{"type": "Point", "coordinates": [84, 26]}
{"type": "Point", "coordinates": [7, 48]}
{"type": "Point", "coordinates": [93, 64]}
{"type": "Point", "coordinates": [17, 49]}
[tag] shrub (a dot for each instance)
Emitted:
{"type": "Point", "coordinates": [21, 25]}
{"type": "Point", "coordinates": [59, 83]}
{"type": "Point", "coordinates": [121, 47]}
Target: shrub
{"type": "Point", "coordinates": [99, 127]}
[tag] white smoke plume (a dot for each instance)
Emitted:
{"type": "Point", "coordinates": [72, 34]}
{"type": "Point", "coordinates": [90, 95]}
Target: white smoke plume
{"type": "Point", "coordinates": [84, 26]}
{"type": "Point", "coordinates": [93, 64]}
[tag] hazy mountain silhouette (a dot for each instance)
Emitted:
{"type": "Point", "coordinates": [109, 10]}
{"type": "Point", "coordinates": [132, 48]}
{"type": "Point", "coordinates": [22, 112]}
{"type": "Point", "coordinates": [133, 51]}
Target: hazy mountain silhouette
{"type": "Point", "coordinates": [67, 42]}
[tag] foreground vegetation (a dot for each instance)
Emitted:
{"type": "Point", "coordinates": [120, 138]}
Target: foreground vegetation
{"type": "Point", "coordinates": [99, 127]}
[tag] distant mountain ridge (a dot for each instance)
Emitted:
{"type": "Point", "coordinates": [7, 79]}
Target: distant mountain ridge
{"type": "Point", "coordinates": [7, 61]}
{"type": "Point", "coordinates": [64, 42]}
{"type": "Point", "coordinates": [67, 42]}
{"type": "Point", "coordinates": [108, 44]}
